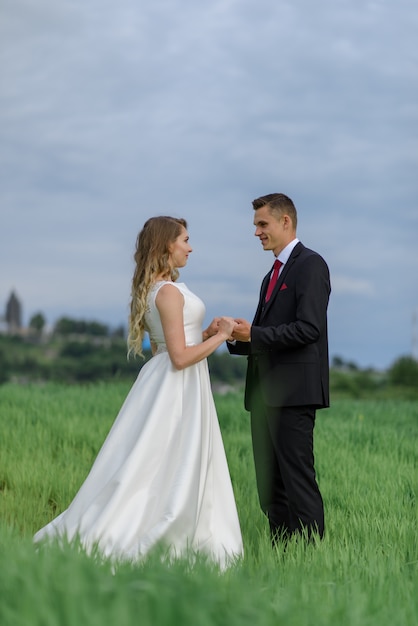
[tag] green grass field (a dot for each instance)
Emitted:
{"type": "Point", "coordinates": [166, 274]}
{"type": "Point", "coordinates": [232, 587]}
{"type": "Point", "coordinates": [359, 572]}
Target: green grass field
{"type": "Point", "coordinates": [365, 572]}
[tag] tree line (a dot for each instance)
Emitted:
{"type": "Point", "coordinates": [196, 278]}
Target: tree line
{"type": "Point", "coordinates": [80, 351]}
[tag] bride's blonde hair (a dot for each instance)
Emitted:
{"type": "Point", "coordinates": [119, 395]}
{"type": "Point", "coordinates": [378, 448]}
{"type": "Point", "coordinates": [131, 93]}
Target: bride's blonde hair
{"type": "Point", "coordinates": [152, 259]}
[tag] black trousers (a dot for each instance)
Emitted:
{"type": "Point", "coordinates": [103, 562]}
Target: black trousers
{"type": "Point", "coordinates": [284, 463]}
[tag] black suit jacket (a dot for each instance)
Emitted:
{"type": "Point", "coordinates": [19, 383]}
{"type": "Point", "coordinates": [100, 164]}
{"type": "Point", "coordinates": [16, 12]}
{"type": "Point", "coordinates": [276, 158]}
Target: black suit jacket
{"type": "Point", "coordinates": [288, 352]}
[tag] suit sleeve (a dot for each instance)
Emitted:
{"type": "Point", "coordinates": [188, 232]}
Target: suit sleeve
{"type": "Point", "coordinates": [307, 320]}
{"type": "Point", "coordinates": [241, 348]}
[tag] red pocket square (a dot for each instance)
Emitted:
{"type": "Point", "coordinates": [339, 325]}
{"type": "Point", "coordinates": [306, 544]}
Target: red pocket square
{"type": "Point", "coordinates": [284, 286]}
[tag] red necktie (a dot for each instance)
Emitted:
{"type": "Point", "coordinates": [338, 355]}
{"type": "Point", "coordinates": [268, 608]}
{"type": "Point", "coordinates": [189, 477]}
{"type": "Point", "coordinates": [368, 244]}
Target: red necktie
{"type": "Point", "coordinates": [273, 279]}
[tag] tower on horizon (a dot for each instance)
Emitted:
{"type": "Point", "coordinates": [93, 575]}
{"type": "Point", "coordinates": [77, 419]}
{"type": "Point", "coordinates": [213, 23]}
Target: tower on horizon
{"type": "Point", "coordinates": [13, 314]}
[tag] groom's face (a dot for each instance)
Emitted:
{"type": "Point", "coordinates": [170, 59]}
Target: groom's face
{"type": "Point", "coordinates": [271, 230]}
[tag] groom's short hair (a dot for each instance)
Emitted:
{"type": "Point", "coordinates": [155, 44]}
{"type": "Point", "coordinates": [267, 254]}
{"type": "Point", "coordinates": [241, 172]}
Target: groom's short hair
{"type": "Point", "coordinates": [278, 203]}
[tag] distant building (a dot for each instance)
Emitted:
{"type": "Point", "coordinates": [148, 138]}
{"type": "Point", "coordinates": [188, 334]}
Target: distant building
{"type": "Point", "coordinates": [13, 315]}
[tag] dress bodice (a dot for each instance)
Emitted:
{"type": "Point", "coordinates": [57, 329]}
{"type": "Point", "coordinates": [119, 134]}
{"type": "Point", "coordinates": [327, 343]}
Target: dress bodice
{"type": "Point", "coordinates": [193, 312]}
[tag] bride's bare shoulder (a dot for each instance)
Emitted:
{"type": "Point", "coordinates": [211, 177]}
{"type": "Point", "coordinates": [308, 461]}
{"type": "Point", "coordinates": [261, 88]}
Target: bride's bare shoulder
{"type": "Point", "coordinates": [169, 293]}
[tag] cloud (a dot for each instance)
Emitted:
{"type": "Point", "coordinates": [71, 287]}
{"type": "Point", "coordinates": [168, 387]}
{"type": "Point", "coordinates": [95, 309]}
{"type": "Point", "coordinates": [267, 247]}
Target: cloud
{"type": "Point", "coordinates": [112, 113]}
{"type": "Point", "coordinates": [349, 285]}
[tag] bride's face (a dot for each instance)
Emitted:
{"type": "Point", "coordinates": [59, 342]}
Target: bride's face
{"type": "Point", "coordinates": [180, 249]}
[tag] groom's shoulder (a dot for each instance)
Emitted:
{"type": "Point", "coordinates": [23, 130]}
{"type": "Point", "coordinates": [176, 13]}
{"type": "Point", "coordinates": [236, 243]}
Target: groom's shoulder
{"type": "Point", "coordinates": [305, 253]}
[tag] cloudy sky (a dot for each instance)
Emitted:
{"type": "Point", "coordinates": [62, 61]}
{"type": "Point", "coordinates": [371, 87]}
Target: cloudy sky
{"type": "Point", "coordinates": [111, 112]}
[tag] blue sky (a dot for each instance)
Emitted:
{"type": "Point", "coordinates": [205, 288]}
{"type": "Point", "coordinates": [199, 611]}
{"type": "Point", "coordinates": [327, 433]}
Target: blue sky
{"type": "Point", "coordinates": [113, 112]}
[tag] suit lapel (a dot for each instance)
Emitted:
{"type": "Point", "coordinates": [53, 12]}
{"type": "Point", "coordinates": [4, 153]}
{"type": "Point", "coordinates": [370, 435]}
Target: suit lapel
{"type": "Point", "coordinates": [261, 302]}
{"type": "Point", "coordinates": [264, 306]}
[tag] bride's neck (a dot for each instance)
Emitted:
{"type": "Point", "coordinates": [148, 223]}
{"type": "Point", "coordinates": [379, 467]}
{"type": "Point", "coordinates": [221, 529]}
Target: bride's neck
{"type": "Point", "coordinates": [162, 277]}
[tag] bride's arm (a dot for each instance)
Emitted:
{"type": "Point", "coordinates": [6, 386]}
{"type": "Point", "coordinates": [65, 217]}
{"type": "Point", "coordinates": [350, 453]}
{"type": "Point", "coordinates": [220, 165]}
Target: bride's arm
{"type": "Point", "coordinates": [170, 302]}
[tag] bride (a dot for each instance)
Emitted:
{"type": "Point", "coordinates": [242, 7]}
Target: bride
{"type": "Point", "coordinates": [161, 476]}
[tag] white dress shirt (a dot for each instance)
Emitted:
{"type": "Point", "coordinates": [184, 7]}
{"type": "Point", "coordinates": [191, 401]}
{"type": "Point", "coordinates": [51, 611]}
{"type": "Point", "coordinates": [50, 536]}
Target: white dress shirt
{"type": "Point", "coordinates": [284, 255]}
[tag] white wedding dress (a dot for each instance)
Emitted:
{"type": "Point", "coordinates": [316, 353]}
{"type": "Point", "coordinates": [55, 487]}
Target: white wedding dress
{"type": "Point", "coordinates": [161, 475]}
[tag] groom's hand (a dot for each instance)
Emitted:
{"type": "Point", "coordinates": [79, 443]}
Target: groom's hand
{"type": "Point", "coordinates": [242, 330]}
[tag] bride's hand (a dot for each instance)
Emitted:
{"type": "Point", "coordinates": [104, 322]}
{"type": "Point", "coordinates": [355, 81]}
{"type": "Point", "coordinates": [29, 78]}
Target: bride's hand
{"type": "Point", "coordinates": [226, 326]}
{"type": "Point", "coordinates": [212, 329]}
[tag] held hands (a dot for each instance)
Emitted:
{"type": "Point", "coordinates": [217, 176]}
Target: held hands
{"type": "Point", "coordinates": [242, 330]}
{"type": "Point", "coordinates": [238, 329]}
{"type": "Point", "coordinates": [224, 325]}
{"type": "Point", "coordinates": [212, 329]}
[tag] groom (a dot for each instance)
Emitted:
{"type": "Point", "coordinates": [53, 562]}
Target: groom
{"type": "Point", "coordinates": [287, 374]}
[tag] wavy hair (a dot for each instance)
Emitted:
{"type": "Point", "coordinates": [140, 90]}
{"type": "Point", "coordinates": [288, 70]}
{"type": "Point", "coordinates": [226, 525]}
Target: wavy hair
{"type": "Point", "coordinates": [151, 260]}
